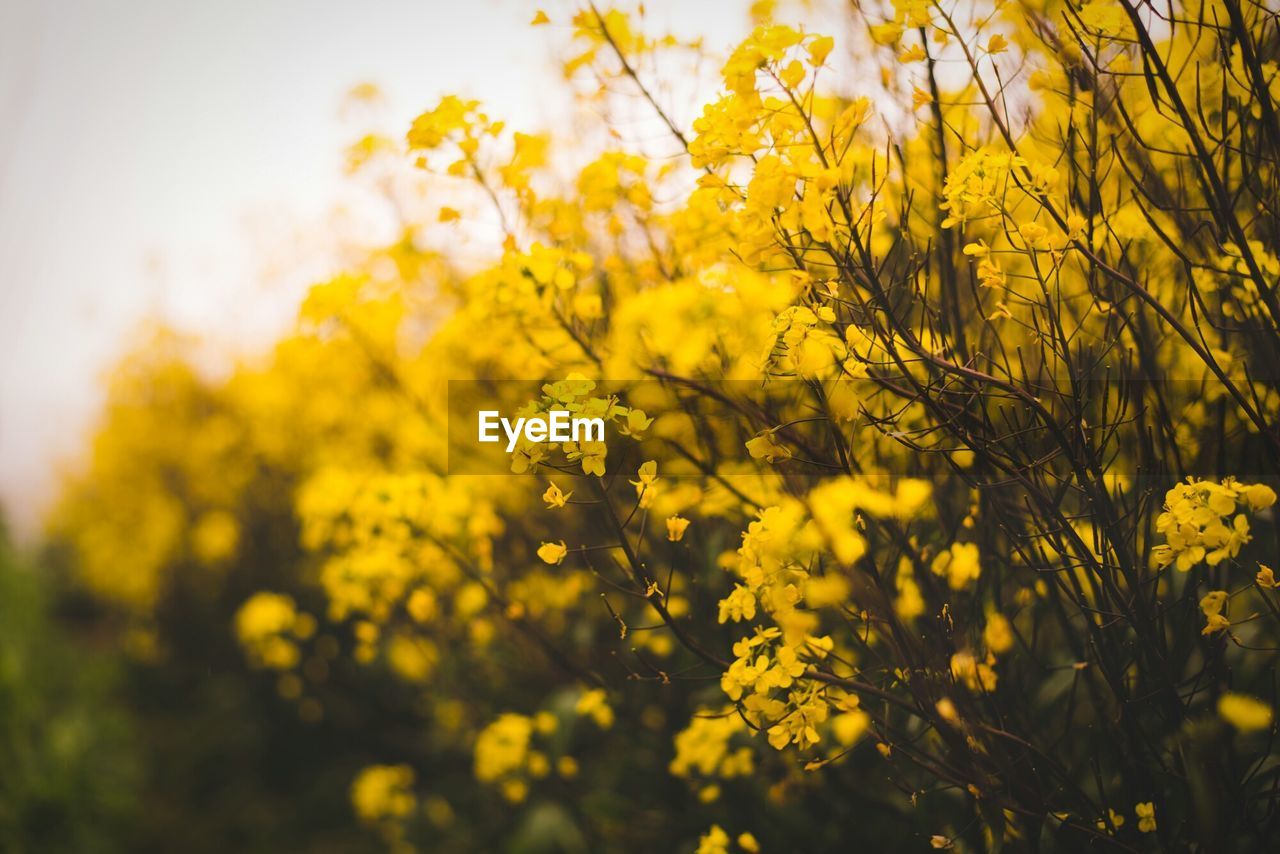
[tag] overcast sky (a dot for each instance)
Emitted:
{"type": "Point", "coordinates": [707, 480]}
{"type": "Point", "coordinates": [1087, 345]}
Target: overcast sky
{"type": "Point", "coordinates": [151, 149]}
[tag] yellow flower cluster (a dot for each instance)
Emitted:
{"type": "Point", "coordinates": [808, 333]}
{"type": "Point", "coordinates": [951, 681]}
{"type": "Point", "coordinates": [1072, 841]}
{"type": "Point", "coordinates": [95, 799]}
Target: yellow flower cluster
{"type": "Point", "coordinates": [505, 754]}
{"type": "Point", "coordinates": [381, 792]}
{"type": "Point", "coordinates": [1206, 522]}
{"type": "Point", "coordinates": [269, 626]}
{"type": "Point", "coordinates": [705, 746]}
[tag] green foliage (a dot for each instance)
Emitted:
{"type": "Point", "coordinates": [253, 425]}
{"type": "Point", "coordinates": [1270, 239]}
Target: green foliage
{"type": "Point", "coordinates": [68, 776]}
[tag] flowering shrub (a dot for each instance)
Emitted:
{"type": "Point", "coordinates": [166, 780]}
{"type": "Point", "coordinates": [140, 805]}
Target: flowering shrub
{"type": "Point", "coordinates": [971, 558]}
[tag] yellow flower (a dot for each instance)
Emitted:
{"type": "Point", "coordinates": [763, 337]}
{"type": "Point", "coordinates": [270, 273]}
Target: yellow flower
{"type": "Point", "coordinates": [1243, 712]}
{"type": "Point", "coordinates": [793, 75]}
{"type": "Point", "coordinates": [595, 705]}
{"type": "Point", "coordinates": [1266, 578]}
{"type": "Point", "coordinates": [765, 446]}
{"type": "Point", "coordinates": [412, 658]}
{"type": "Point", "coordinates": [1259, 496]}
{"type": "Point", "coordinates": [740, 604]}
{"type": "Point", "coordinates": [646, 486]}
{"type": "Point", "coordinates": [748, 843]}
{"type": "Point", "coordinates": [960, 564]}
{"type": "Point", "coordinates": [947, 710]}
{"type": "Point", "coordinates": [637, 422]}
{"type": "Point", "coordinates": [1034, 234]}
{"type": "Point", "coordinates": [998, 634]}
{"type": "Point", "coordinates": [1106, 18]}
{"type": "Point", "coordinates": [502, 747]}
{"type": "Point", "coordinates": [216, 536]}
{"type": "Point", "coordinates": [648, 474]}
{"type": "Point", "coordinates": [545, 723]}
{"type": "Point", "coordinates": [919, 98]}
{"type": "Point", "coordinates": [819, 49]}
{"type": "Point", "coordinates": [990, 274]}
{"type": "Point", "coordinates": [1211, 606]}
{"type": "Point", "coordinates": [1146, 813]}
{"type": "Point", "coordinates": [997, 44]}
{"type": "Point", "coordinates": [593, 454]}
{"type": "Point", "coordinates": [714, 841]}
{"type": "Point", "coordinates": [554, 497]}
{"type": "Point", "coordinates": [977, 676]}
{"type": "Point", "coordinates": [539, 17]}
{"type": "Point", "coordinates": [676, 526]}
{"type": "Point", "coordinates": [886, 34]}
{"type": "Point", "coordinates": [848, 727]}
{"type": "Point", "coordinates": [915, 53]}
{"type": "Point", "coordinates": [383, 791]}
{"type": "Point", "coordinates": [421, 605]}
{"type": "Point", "coordinates": [449, 215]}
{"type": "Point", "coordinates": [262, 625]}
{"type": "Point", "coordinates": [552, 553]}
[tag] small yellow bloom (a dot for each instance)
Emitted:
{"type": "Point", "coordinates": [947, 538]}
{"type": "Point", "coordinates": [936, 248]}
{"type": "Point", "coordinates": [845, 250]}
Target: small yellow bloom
{"type": "Point", "coordinates": [449, 215]}
{"type": "Point", "coordinates": [919, 98]}
{"type": "Point", "coordinates": [215, 537]}
{"type": "Point", "coordinates": [819, 49]}
{"type": "Point", "coordinates": [714, 841]}
{"type": "Point", "coordinates": [1243, 712]}
{"type": "Point", "coordinates": [1266, 577]}
{"type": "Point", "coordinates": [540, 17]}
{"type": "Point", "coordinates": [998, 634]}
{"type": "Point", "coordinates": [997, 44]}
{"type": "Point", "coordinates": [554, 497]}
{"type": "Point", "coordinates": [545, 723]}
{"type": "Point", "coordinates": [886, 34]}
{"type": "Point", "coordinates": [648, 474]}
{"type": "Point", "coordinates": [748, 843]}
{"type": "Point", "coordinates": [515, 791]}
{"type": "Point", "coordinates": [793, 75]}
{"type": "Point", "coordinates": [676, 526]}
{"type": "Point", "coordinates": [421, 605]}
{"type": "Point", "coordinates": [915, 53]}
{"type": "Point", "coordinates": [765, 446]}
{"type": "Point", "coordinates": [595, 705]}
{"type": "Point", "coordinates": [1211, 606]}
{"type": "Point", "coordinates": [1259, 496]}
{"type": "Point", "coordinates": [637, 423]}
{"type": "Point", "coordinates": [383, 791]}
{"type": "Point", "coordinates": [1034, 234]}
{"type": "Point", "coordinates": [552, 553]}
{"type": "Point", "coordinates": [1146, 813]}
{"type": "Point", "coordinates": [947, 710]}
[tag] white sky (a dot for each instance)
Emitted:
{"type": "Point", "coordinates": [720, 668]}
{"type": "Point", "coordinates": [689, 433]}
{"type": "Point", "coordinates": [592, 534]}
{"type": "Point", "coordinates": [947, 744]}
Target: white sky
{"type": "Point", "coordinates": [150, 149]}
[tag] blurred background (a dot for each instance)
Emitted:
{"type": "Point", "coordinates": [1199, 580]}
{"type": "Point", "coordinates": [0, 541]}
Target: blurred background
{"type": "Point", "coordinates": [183, 161]}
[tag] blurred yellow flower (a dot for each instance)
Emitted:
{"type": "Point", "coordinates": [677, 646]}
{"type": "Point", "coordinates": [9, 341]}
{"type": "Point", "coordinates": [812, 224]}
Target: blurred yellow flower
{"type": "Point", "coordinates": [1245, 713]}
